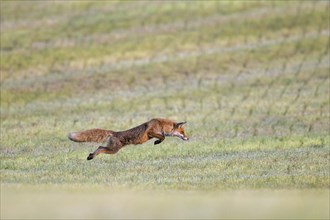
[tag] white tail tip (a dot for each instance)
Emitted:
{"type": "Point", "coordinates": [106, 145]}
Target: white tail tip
{"type": "Point", "coordinates": [72, 136]}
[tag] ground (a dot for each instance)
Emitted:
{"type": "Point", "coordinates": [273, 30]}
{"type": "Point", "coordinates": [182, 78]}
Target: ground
{"type": "Point", "coordinates": [250, 78]}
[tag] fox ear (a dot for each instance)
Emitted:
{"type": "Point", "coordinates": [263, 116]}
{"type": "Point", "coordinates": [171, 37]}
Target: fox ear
{"type": "Point", "coordinates": [180, 124]}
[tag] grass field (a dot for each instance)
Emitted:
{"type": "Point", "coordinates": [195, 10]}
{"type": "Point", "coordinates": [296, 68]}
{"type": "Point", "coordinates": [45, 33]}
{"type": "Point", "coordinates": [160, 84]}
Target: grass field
{"type": "Point", "coordinates": [251, 78]}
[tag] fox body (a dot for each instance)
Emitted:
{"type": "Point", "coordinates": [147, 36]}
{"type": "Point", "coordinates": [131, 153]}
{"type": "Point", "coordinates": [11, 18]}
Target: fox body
{"type": "Point", "coordinates": [155, 128]}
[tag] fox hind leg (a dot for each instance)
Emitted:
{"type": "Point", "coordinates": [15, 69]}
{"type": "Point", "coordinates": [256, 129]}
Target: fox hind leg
{"type": "Point", "coordinates": [102, 150]}
{"type": "Point", "coordinates": [112, 147]}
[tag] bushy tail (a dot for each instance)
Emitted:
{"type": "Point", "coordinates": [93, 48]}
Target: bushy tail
{"type": "Point", "coordinates": [92, 135]}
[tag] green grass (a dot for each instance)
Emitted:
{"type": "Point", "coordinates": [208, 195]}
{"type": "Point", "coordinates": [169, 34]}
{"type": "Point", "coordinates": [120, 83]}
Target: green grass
{"type": "Point", "coordinates": [81, 202]}
{"type": "Point", "coordinates": [251, 79]}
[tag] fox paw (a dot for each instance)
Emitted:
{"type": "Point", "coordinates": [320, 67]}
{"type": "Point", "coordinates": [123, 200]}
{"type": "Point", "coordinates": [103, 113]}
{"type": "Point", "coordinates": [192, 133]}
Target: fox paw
{"type": "Point", "coordinates": [90, 156]}
{"type": "Point", "coordinates": [157, 142]}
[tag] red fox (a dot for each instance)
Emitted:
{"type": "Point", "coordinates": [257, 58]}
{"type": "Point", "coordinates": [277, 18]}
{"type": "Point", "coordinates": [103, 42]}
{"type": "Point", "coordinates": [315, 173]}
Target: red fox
{"type": "Point", "coordinates": [155, 128]}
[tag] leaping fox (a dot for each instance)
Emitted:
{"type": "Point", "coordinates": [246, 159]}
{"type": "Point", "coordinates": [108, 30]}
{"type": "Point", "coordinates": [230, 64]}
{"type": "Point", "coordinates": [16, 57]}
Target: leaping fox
{"type": "Point", "coordinates": [155, 128]}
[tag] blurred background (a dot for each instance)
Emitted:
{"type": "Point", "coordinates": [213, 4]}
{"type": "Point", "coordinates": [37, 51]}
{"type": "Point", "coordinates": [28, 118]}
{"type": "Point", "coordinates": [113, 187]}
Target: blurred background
{"type": "Point", "coordinates": [239, 68]}
{"type": "Point", "coordinates": [250, 77]}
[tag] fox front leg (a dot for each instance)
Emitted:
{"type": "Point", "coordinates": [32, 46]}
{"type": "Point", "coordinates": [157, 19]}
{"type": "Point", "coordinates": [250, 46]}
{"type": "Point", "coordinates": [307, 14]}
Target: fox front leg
{"type": "Point", "coordinates": [159, 136]}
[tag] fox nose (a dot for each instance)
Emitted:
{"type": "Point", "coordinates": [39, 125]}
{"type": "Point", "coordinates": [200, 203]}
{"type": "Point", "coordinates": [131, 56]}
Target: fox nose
{"type": "Point", "coordinates": [186, 138]}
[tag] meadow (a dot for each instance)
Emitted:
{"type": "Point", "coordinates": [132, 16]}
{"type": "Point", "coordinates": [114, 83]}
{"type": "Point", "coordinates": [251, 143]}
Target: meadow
{"type": "Point", "coordinates": [251, 78]}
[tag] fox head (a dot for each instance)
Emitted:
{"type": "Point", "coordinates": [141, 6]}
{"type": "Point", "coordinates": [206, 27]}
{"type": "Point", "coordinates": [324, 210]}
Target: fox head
{"type": "Point", "coordinates": [178, 131]}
